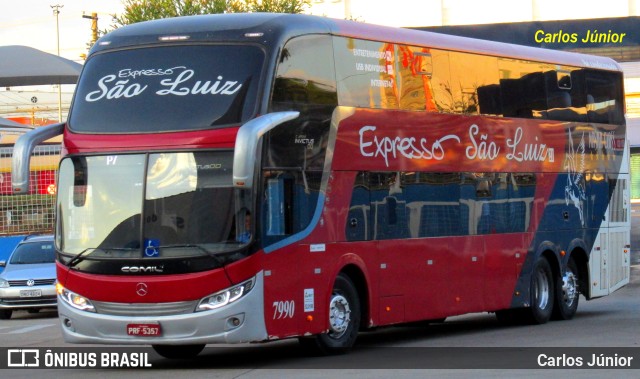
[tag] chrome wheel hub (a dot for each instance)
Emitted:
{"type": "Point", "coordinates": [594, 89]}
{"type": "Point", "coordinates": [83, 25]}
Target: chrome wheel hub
{"type": "Point", "coordinates": [542, 289]}
{"type": "Point", "coordinates": [339, 316]}
{"type": "Point", "coordinates": [569, 287]}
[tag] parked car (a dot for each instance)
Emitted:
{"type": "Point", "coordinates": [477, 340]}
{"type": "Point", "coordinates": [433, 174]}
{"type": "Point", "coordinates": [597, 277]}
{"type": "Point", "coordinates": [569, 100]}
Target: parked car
{"type": "Point", "coordinates": [29, 277]}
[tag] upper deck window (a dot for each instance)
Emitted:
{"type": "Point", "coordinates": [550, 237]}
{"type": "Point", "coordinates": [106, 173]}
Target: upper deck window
{"type": "Point", "coordinates": [168, 88]}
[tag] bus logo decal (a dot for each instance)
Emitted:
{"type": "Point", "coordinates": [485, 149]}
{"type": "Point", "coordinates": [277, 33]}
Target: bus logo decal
{"type": "Point", "coordinates": [575, 189]}
{"type": "Point", "coordinates": [111, 87]}
{"type": "Point", "coordinates": [532, 152]}
{"type": "Point", "coordinates": [303, 140]}
{"type": "Point", "coordinates": [142, 289]}
{"type": "Point", "coordinates": [478, 146]}
{"type": "Point", "coordinates": [408, 147]}
{"type": "Point", "coordinates": [142, 269]}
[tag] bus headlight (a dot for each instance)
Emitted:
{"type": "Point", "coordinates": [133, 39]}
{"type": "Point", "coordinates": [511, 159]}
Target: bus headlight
{"type": "Point", "coordinates": [224, 297]}
{"type": "Point", "coordinates": [4, 283]}
{"type": "Point", "coordinates": [74, 300]}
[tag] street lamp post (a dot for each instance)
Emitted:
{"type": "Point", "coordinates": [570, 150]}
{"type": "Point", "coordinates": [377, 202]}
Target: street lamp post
{"type": "Point", "coordinates": [56, 12]}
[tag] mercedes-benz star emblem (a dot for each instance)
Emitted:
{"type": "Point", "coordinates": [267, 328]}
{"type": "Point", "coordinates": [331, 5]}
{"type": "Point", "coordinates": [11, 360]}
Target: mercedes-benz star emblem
{"type": "Point", "coordinates": [31, 282]}
{"type": "Point", "coordinates": [141, 289]}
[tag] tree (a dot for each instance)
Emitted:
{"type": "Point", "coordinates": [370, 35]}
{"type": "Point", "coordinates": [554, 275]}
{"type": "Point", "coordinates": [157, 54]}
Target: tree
{"type": "Point", "coordinates": [144, 10]}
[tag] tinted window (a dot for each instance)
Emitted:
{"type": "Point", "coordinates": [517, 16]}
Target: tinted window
{"type": "Point", "coordinates": [36, 252]}
{"type": "Point", "coordinates": [295, 152]}
{"type": "Point", "coordinates": [604, 97]}
{"type": "Point", "coordinates": [365, 73]}
{"type": "Point", "coordinates": [164, 205]}
{"type": "Point", "coordinates": [305, 76]}
{"type": "Point", "coordinates": [396, 205]}
{"type": "Point", "coordinates": [469, 74]}
{"type": "Point", "coordinates": [166, 89]}
{"type": "Point", "coordinates": [305, 83]}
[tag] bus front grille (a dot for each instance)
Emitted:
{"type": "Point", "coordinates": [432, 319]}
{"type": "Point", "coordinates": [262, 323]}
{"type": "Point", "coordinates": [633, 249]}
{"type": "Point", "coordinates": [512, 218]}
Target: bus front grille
{"type": "Point", "coordinates": [144, 310]}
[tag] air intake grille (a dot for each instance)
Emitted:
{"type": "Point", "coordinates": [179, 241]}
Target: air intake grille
{"type": "Point", "coordinates": [145, 310]}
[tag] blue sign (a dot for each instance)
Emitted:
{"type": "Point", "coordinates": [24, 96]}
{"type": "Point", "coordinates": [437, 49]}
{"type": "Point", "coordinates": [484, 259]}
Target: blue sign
{"type": "Point", "coordinates": [151, 247]}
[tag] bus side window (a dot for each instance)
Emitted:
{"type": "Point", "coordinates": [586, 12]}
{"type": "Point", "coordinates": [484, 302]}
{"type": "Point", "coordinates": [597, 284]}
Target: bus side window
{"type": "Point", "coordinates": [359, 223]}
{"type": "Point", "coordinates": [469, 73]}
{"type": "Point", "coordinates": [275, 209]}
{"type": "Point", "coordinates": [604, 98]}
{"type": "Point", "coordinates": [294, 153]}
{"type": "Point", "coordinates": [305, 78]}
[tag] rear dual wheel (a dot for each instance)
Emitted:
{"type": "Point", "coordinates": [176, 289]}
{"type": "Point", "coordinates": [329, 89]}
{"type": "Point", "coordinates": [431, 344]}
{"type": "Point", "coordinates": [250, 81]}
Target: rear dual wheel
{"type": "Point", "coordinates": [542, 293]}
{"type": "Point", "coordinates": [541, 300]}
{"type": "Point", "coordinates": [567, 293]}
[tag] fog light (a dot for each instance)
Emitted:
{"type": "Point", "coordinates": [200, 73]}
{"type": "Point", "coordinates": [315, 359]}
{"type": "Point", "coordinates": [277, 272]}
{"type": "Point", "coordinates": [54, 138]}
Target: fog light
{"type": "Point", "coordinates": [234, 322]}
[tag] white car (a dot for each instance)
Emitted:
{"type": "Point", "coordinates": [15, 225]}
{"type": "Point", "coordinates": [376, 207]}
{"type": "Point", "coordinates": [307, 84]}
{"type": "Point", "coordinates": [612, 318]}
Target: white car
{"type": "Point", "coordinates": [29, 277]}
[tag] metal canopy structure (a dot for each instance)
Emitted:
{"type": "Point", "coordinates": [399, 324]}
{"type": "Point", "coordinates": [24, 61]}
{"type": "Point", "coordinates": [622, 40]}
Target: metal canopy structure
{"type": "Point", "coordinates": [26, 66]}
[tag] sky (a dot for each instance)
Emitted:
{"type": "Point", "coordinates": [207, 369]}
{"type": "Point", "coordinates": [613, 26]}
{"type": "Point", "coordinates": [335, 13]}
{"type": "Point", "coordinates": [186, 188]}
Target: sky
{"type": "Point", "coordinates": [32, 22]}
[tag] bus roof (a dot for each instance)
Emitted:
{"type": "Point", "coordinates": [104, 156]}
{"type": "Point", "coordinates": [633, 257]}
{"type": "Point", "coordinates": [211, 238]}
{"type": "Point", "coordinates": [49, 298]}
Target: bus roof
{"type": "Point", "coordinates": [273, 29]}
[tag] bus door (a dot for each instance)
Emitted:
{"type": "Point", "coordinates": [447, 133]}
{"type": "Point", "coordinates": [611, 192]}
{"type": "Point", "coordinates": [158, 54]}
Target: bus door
{"type": "Point", "coordinates": [609, 262]}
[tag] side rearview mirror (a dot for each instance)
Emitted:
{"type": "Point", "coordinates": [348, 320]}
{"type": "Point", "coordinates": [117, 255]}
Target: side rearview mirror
{"type": "Point", "coordinates": [249, 135]}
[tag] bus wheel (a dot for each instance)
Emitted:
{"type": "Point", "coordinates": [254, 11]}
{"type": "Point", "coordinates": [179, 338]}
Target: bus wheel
{"type": "Point", "coordinates": [542, 293]}
{"type": "Point", "coordinates": [567, 293]}
{"type": "Point", "coordinates": [5, 314]}
{"type": "Point", "coordinates": [344, 320]}
{"type": "Point", "coordinates": [178, 351]}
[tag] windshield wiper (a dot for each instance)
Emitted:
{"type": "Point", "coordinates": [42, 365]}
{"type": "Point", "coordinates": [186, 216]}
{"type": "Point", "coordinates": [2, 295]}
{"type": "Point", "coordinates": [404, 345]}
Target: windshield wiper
{"type": "Point", "coordinates": [199, 247]}
{"type": "Point", "coordinates": [79, 257]}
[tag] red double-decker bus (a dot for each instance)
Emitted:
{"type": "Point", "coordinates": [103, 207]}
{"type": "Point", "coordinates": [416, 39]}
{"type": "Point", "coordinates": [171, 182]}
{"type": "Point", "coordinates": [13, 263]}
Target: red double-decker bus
{"type": "Point", "coordinates": [255, 177]}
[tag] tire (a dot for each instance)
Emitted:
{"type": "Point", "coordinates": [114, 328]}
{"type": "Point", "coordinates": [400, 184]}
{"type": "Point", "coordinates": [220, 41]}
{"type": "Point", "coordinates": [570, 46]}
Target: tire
{"type": "Point", "coordinates": [5, 314]}
{"type": "Point", "coordinates": [541, 293]}
{"type": "Point", "coordinates": [567, 293]}
{"type": "Point", "coordinates": [178, 351]}
{"type": "Point", "coordinates": [344, 321]}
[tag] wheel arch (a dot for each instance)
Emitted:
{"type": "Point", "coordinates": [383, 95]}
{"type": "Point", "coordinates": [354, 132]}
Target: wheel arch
{"type": "Point", "coordinates": [355, 268]}
{"type": "Point", "coordinates": [359, 280]}
{"type": "Point", "coordinates": [581, 258]}
{"type": "Point", "coordinates": [550, 253]}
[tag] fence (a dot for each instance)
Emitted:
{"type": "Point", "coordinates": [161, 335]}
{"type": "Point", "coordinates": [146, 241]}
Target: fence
{"type": "Point", "coordinates": [33, 212]}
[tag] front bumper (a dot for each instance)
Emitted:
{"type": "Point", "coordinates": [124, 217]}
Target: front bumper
{"type": "Point", "coordinates": [11, 298]}
{"type": "Point", "coordinates": [240, 321]}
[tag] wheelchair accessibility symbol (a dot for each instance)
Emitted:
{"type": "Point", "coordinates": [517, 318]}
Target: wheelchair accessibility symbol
{"type": "Point", "coordinates": [152, 248]}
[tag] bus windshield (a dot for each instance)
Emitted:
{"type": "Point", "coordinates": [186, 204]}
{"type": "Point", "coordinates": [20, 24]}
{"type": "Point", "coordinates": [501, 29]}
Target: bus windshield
{"type": "Point", "coordinates": [167, 88]}
{"type": "Point", "coordinates": [159, 205]}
